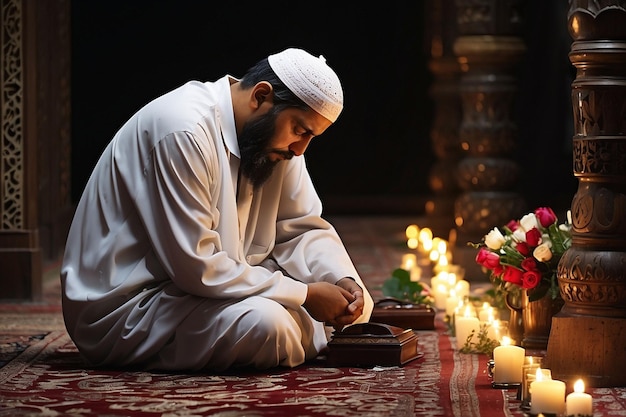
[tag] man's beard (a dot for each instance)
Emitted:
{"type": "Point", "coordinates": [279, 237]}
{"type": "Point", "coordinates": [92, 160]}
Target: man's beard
{"type": "Point", "coordinates": [254, 139]}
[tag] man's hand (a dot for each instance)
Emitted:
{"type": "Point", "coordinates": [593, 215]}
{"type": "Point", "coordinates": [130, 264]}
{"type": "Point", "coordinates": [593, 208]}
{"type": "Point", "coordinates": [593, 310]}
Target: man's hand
{"type": "Point", "coordinates": [337, 305]}
{"type": "Point", "coordinates": [355, 308]}
{"type": "Point", "coordinates": [325, 301]}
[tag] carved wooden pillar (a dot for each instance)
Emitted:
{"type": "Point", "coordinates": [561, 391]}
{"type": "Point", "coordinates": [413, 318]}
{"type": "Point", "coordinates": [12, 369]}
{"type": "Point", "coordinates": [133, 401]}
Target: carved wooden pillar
{"type": "Point", "coordinates": [34, 141]}
{"type": "Point", "coordinates": [444, 133]}
{"type": "Point", "coordinates": [588, 336]}
{"type": "Point", "coordinates": [489, 47]}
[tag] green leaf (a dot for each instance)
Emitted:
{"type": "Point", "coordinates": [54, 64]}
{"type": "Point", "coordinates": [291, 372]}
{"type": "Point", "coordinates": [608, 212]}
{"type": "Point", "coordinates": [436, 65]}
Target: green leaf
{"type": "Point", "coordinates": [400, 286]}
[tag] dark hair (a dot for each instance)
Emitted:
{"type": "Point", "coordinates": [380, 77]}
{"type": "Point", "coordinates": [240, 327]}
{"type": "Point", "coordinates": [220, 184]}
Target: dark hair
{"type": "Point", "coordinates": [283, 97]}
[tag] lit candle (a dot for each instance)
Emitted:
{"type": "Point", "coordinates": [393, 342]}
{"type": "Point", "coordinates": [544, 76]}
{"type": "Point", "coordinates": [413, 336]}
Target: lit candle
{"type": "Point", "coordinates": [464, 325]}
{"type": "Point", "coordinates": [546, 395]}
{"type": "Point", "coordinates": [529, 370]}
{"type": "Point", "coordinates": [452, 302]}
{"type": "Point", "coordinates": [579, 402]}
{"type": "Point", "coordinates": [508, 361]}
{"type": "Point", "coordinates": [426, 241]}
{"type": "Point", "coordinates": [408, 260]}
{"type": "Point", "coordinates": [493, 329]}
{"type": "Point", "coordinates": [433, 255]}
{"type": "Point", "coordinates": [409, 263]}
{"type": "Point", "coordinates": [441, 295]}
{"type": "Point", "coordinates": [412, 231]}
{"type": "Point", "coordinates": [436, 280]}
{"type": "Point", "coordinates": [416, 273]}
{"type": "Point", "coordinates": [462, 287]}
{"type": "Point", "coordinates": [486, 312]}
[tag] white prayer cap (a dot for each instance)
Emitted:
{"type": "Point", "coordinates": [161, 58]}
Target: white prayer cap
{"type": "Point", "coordinates": [310, 79]}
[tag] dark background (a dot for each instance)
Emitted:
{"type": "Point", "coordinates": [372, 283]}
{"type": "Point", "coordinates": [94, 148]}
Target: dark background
{"type": "Point", "coordinates": [126, 53]}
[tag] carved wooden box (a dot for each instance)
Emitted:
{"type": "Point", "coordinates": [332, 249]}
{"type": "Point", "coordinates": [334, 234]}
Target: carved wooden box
{"type": "Point", "coordinates": [404, 314]}
{"type": "Point", "coordinates": [372, 344]}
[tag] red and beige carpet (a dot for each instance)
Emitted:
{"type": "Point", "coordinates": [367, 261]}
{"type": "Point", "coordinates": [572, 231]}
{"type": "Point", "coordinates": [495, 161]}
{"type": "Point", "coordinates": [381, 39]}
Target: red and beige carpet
{"type": "Point", "coordinates": [41, 373]}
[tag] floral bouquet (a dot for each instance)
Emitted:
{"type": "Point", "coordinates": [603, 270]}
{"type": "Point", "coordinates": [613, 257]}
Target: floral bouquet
{"type": "Point", "coordinates": [525, 253]}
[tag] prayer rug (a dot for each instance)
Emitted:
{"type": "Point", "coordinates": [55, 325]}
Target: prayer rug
{"type": "Point", "coordinates": [49, 378]}
{"type": "Point", "coordinates": [42, 374]}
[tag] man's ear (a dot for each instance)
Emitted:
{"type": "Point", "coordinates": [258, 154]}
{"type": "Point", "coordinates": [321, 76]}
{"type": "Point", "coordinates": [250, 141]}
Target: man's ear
{"type": "Point", "coordinates": [262, 92]}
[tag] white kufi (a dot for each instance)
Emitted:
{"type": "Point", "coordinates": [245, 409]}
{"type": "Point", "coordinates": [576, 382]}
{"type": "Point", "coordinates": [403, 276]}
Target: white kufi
{"type": "Point", "coordinates": [310, 79]}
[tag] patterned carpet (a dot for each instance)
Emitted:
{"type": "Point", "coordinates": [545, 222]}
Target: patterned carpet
{"type": "Point", "coordinates": [41, 373]}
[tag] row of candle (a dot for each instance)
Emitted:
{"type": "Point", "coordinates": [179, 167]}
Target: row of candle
{"type": "Point", "coordinates": [467, 322]}
{"type": "Point", "coordinates": [544, 394]}
{"type": "Point", "coordinates": [451, 293]}
{"type": "Point", "coordinates": [431, 250]}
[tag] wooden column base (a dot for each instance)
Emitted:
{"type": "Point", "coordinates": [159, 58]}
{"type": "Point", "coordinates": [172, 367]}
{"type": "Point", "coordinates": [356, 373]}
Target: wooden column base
{"type": "Point", "coordinates": [20, 261]}
{"type": "Point", "coordinates": [590, 348]}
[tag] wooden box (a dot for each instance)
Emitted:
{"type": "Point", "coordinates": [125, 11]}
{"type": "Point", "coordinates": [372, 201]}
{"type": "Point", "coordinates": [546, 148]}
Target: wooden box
{"type": "Point", "coordinates": [404, 314]}
{"type": "Point", "coordinates": [372, 344]}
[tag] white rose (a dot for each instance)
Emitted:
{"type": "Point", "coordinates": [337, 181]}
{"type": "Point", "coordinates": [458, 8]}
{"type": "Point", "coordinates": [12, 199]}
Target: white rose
{"type": "Point", "coordinates": [543, 252]}
{"type": "Point", "coordinates": [494, 239]}
{"type": "Point", "coordinates": [519, 235]}
{"type": "Point", "coordinates": [529, 221]}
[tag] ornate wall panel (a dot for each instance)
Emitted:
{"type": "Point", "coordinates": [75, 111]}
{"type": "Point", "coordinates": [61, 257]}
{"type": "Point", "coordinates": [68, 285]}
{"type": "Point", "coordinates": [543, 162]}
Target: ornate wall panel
{"type": "Point", "coordinates": [12, 117]}
{"type": "Point", "coordinates": [34, 141]}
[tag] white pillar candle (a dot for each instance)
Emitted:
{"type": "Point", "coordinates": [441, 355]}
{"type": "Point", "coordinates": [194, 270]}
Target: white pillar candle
{"type": "Point", "coordinates": [415, 273]}
{"type": "Point", "coordinates": [441, 295]}
{"type": "Point", "coordinates": [508, 361]}
{"type": "Point", "coordinates": [436, 280]}
{"type": "Point", "coordinates": [486, 312]}
{"type": "Point", "coordinates": [493, 330]}
{"type": "Point", "coordinates": [546, 395]}
{"type": "Point", "coordinates": [452, 302]}
{"type": "Point", "coordinates": [465, 324]}
{"type": "Point", "coordinates": [408, 261]}
{"type": "Point", "coordinates": [529, 371]}
{"type": "Point", "coordinates": [462, 288]}
{"type": "Point", "coordinates": [579, 402]}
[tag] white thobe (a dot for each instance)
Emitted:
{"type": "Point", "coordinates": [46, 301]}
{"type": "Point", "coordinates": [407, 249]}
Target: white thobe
{"type": "Point", "coordinates": [171, 264]}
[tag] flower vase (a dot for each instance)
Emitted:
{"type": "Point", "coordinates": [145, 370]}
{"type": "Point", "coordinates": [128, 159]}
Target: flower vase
{"type": "Point", "coordinates": [537, 319]}
{"type": "Point", "coordinates": [513, 301]}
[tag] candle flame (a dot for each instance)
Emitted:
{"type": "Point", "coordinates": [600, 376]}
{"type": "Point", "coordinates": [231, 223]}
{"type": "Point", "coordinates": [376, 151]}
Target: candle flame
{"type": "Point", "coordinates": [543, 374]}
{"type": "Point", "coordinates": [539, 375]}
{"type": "Point", "coordinates": [506, 341]}
{"type": "Point", "coordinates": [426, 234]}
{"type": "Point", "coordinates": [579, 386]}
{"type": "Point", "coordinates": [412, 231]}
{"type": "Point", "coordinates": [442, 246]}
{"type": "Point", "coordinates": [451, 278]}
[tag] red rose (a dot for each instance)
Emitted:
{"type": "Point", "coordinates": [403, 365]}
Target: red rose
{"type": "Point", "coordinates": [545, 215]}
{"type": "Point", "coordinates": [533, 237]}
{"type": "Point", "coordinates": [522, 247]}
{"type": "Point", "coordinates": [529, 264]}
{"type": "Point", "coordinates": [530, 279]}
{"type": "Point", "coordinates": [512, 225]}
{"type": "Point", "coordinates": [512, 275]}
{"type": "Point", "coordinates": [488, 259]}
